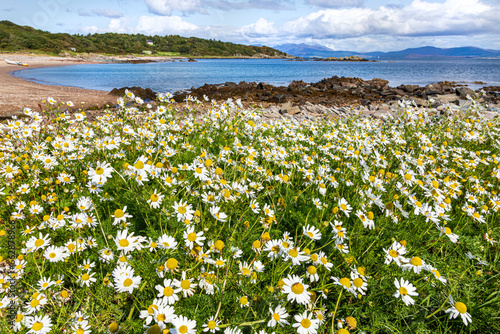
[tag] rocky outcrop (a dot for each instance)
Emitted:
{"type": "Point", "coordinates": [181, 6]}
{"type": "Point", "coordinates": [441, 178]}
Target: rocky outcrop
{"type": "Point", "coordinates": [341, 91]}
{"type": "Point", "coordinates": [145, 94]}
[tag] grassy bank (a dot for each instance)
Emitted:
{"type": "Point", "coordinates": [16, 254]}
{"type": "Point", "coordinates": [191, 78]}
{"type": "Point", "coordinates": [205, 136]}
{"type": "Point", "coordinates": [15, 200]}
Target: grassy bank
{"type": "Point", "coordinates": [148, 219]}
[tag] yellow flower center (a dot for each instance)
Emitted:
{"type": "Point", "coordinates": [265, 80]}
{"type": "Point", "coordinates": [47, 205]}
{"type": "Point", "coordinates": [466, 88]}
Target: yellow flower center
{"type": "Point", "coordinates": [245, 271]}
{"type": "Point", "coordinates": [276, 316]}
{"type": "Point", "coordinates": [172, 263]}
{"type": "Point", "coordinates": [345, 282]}
{"type": "Point", "coordinates": [39, 242]}
{"type": "Point", "coordinates": [139, 165]}
{"type": "Point", "coordinates": [436, 273]}
{"type": "Point", "coordinates": [461, 307]}
{"type": "Point", "coordinates": [123, 243]}
{"type": "Point", "coordinates": [128, 282]}
{"type": "Point", "coordinates": [186, 284]}
{"type": "Point", "coordinates": [311, 270]}
{"type": "Point", "coordinates": [85, 277]}
{"type": "Point", "coordinates": [52, 255]}
{"type": "Point", "coordinates": [99, 171]}
{"type": "Point", "coordinates": [154, 198]}
{"type": "Point", "coordinates": [211, 324]}
{"type": "Point", "coordinates": [183, 329]}
{"type": "Point", "coordinates": [358, 282]}
{"type": "Point", "coordinates": [37, 326]}
{"type": "Point", "coordinates": [297, 288]}
{"type": "Point", "coordinates": [403, 291]}
{"type": "Point", "coordinates": [182, 210]}
{"type": "Point", "coordinates": [34, 303]}
{"type": "Point", "coordinates": [151, 309]}
{"type": "Point", "coordinates": [161, 317]}
{"type": "Point", "coordinates": [393, 253]}
{"type": "Point", "coordinates": [293, 252]}
{"type": "Point", "coordinates": [243, 300]}
{"type": "Point", "coordinates": [119, 213]}
{"type": "Point", "coordinates": [306, 323]}
{"type": "Point", "coordinates": [343, 206]}
{"type": "Point", "coordinates": [192, 236]}
{"type": "Point", "coordinates": [416, 261]}
{"type": "Point", "coordinates": [168, 291]}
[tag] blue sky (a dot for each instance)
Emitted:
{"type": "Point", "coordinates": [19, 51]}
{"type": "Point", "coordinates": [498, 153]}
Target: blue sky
{"type": "Point", "coordinates": [360, 25]}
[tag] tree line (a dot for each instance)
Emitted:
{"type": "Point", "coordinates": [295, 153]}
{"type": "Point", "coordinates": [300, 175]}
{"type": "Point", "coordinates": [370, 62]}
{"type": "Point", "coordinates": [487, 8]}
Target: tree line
{"type": "Point", "coordinates": [21, 38]}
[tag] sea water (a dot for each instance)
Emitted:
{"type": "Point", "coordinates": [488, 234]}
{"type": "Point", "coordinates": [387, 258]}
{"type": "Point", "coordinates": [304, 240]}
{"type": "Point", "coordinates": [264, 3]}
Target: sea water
{"type": "Point", "coordinates": [174, 76]}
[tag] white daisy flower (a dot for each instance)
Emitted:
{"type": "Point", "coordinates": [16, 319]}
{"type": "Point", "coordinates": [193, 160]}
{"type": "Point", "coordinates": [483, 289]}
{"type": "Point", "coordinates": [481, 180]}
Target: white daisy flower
{"type": "Point", "coordinates": [458, 309]}
{"type": "Point", "coordinates": [38, 324]}
{"type": "Point", "coordinates": [184, 325]}
{"type": "Point", "coordinates": [295, 289]}
{"type": "Point", "coordinates": [305, 323]}
{"type": "Point", "coordinates": [278, 316]}
{"type": "Point", "coordinates": [404, 290]}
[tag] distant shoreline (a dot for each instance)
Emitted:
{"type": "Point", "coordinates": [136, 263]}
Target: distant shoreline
{"type": "Point", "coordinates": [18, 93]}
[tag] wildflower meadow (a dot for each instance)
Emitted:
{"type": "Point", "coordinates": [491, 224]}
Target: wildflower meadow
{"type": "Point", "coordinates": [206, 218]}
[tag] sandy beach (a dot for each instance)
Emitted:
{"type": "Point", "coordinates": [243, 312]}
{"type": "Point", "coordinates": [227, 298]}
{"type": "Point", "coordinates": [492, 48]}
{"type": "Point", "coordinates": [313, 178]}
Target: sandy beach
{"type": "Point", "coordinates": [17, 93]}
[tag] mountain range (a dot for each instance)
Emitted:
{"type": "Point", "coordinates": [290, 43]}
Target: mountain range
{"type": "Point", "coordinates": [307, 50]}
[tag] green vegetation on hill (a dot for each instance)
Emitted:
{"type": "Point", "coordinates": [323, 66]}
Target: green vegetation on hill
{"type": "Point", "coordinates": [21, 38]}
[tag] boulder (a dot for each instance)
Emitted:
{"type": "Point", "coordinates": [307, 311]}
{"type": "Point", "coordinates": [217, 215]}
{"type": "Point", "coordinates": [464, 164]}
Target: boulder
{"type": "Point", "coordinates": [408, 88]}
{"type": "Point", "coordinates": [464, 91]}
{"type": "Point", "coordinates": [433, 89]}
{"type": "Point", "coordinates": [279, 98]}
{"type": "Point", "coordinates": [447, 98]}
{"type": "Point", "coordinates": [420, 102]}
{"type": "Point", "coordinates": [293, 111]}
{"type": "Point", "coordinates": [145, 94]}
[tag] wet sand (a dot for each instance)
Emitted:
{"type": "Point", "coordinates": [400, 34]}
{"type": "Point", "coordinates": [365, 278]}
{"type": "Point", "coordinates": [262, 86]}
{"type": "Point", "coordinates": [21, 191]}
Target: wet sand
{"type": "Point", "coordinates": [17, 93]}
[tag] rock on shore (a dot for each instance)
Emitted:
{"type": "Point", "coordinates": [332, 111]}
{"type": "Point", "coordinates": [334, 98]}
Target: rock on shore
{"type": "Point", "coordinates": [343, 91]}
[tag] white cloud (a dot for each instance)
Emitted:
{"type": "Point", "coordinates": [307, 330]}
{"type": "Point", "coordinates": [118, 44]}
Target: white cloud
{"type": "Point", "coordinates": [227, 5]}
{"type": "Point", "coordinates": [90, 29]}
{"type": "Point", "coordinates": [420, 18]}
{"type": "Point", "coordinates": [443, 24]}
{"type": "Point", "coordinates": [107, 13]}
{"type": "Point", "coordinates": [261, 27]}
{"type": "Point", "coordinates": [335, 3]}
{"type": "Point", "coordinates": [82, 12]}
{"type": "Point", "coordinates": [170, 25]}
{"type": "Point", "coordinates": [118, 25]}
{"type": "Point", "coordinates": [167, 7]}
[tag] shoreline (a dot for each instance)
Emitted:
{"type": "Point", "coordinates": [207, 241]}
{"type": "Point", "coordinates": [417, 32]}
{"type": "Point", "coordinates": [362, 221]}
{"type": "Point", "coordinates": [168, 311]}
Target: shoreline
{"type": "Point", "coordinates": [18, 93]}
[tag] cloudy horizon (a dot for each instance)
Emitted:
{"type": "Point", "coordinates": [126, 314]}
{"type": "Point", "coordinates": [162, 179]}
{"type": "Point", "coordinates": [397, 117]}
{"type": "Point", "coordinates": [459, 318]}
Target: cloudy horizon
{"type": "Point", "coordinates": [358, 25]}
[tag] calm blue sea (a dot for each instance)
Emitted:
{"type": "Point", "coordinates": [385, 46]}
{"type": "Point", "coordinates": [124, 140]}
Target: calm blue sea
{"type": "Point", "coordinates": [175, 76]}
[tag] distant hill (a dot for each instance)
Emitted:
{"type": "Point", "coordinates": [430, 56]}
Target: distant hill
{"type": "Point", "coordinates": [306, 50]}
{"type": "Point", "coordinates": [23, 38]}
